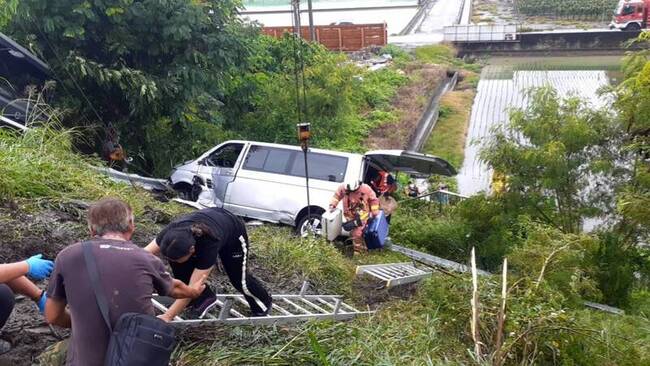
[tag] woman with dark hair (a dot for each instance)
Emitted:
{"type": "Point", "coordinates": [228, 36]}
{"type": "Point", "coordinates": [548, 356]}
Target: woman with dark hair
{"type": "Point", "coordinates": [192, 244]}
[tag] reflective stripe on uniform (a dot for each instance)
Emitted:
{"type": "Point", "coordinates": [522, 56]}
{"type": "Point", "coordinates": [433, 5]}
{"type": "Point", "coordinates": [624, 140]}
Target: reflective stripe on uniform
{"type": "Point", "coordinates": [243, 275]}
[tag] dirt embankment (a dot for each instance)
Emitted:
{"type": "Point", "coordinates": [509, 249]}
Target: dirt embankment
{"type": "Point", "coordinates": [409, 104]}
{"type": "Point", "coordinates": [46, 227]}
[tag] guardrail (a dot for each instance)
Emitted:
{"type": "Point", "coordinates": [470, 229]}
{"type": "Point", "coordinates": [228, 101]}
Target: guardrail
{"type": "Point", "coordinates": [149, 184]}
{"type": "Point", "coordinates": [13, 123]}
{"type": "Point", "coordinates": [415, 22]}
{"type": "Point", "coordinates": [439, 193]}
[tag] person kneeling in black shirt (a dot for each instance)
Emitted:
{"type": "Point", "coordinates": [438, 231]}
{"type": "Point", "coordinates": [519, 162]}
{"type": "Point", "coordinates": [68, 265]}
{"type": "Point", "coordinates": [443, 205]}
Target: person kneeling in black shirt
{"type": "Point", "coordinates": [192, 243]}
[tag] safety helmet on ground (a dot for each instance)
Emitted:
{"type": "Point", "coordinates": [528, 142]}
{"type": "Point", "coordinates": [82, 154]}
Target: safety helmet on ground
{"type": "Point", "coordinates": [351, 187]}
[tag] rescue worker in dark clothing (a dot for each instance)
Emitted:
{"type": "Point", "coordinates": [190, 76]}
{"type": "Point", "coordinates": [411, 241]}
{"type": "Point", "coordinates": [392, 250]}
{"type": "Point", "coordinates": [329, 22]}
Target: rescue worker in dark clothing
{"type": "Point", "coordinates": [13, 280]}
{"type": "Point", "coordinates": [192, 243]}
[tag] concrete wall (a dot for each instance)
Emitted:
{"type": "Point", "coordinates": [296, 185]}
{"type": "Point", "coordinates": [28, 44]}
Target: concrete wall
{"type": "Point", "coordinates": [540, 42]}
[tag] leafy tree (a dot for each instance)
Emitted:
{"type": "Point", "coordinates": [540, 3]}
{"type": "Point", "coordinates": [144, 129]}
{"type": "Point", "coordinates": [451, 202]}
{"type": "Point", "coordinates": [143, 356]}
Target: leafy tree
{"type": "Point", "coordinates": [336, 96]}
{"type": "Point", "coordinates": [633, 106]}
{"type": "Point", "coordinates": [125, 64]}
{"type": "Point", "coordinates": [7, 10]}
{"type": "Point", "coordinates": [549, 152]}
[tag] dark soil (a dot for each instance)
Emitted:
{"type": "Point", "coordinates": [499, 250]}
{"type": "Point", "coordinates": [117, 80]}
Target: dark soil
{"type": "Point", "coordinates": [373, 292]}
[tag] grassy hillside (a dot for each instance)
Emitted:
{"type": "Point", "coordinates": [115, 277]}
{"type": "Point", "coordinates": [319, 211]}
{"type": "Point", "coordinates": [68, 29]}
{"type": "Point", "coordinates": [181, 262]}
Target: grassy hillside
{"type": "Point", "coordinates": [422, 324]}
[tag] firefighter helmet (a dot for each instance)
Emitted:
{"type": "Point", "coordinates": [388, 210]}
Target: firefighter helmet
{"type": "Point", "coordinates": [352, 187]}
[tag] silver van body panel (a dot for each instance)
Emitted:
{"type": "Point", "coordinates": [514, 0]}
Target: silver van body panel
{"type": "Point", "coordinates": [262, 195]}
{"type": "Point", "coordinates": [280, 197]}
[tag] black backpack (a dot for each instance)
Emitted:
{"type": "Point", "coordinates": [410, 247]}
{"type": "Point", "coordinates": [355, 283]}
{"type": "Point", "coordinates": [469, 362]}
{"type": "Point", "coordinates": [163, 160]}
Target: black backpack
{"type": "Point", "coordinates": [138, 339]}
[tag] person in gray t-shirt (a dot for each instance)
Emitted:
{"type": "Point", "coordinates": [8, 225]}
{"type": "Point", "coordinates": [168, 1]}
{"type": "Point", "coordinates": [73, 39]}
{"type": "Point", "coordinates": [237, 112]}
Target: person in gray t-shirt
{"type": "Point", "coordinates": [128, 275]}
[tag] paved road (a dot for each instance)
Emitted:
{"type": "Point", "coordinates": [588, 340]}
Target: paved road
{"type": "Point", "coordinates": [441, 13]}
{"type": "Point", "coordinates": [497, 92]}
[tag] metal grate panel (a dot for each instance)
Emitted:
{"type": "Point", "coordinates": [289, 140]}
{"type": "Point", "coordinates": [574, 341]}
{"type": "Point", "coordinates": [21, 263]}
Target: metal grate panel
{"type": "Point", "coordinates": [394, 274]}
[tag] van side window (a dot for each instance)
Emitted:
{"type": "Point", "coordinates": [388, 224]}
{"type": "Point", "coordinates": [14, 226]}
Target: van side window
{"type": "Point", "coordinates": [268, 159]}
{"type": "Point", "coordinates": [277, 161]}
{"type": "Point", "coordinates": [321, 166]}
{"type": "Point", "coordinates": [224, 157]}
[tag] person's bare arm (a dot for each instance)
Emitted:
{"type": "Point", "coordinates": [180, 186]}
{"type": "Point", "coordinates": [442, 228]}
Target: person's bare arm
{"type": "Point", "coordinates": [198, 277]}
{"type": "Point", "coordinates": [11, 271]}
{"type": "Point", "coordinates": [183, 291]}
{"type": "Point", "coordinates": [57, 314]}
{"type": "Point", "coordinates": [24, 286]}
{"type": "Point", "coordinates": [153, 248]}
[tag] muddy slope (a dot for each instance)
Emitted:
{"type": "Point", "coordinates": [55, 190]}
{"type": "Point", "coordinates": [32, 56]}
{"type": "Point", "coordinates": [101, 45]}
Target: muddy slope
{"type": "Point", "coordinates": [47, 227]}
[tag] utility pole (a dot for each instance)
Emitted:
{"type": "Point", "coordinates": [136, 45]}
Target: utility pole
{"type": "Point", "coordinates": [295, 8]}
{"type": "Point", "coordinates": [312, 30]}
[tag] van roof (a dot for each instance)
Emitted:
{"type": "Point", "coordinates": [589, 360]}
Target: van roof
{"type": "Point", "coordinates": [295, 147]}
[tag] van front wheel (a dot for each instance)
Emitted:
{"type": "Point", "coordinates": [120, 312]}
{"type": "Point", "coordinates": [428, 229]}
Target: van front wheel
{"type": "Point", "coordinates": [310, 225]}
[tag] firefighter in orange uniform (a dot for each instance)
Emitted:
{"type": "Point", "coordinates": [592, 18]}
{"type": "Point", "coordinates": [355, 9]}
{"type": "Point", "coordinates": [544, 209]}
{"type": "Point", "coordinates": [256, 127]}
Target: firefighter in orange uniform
{"type": "Point", "coordinates": [384, 183]}
{"type": "Point", "coordinates": [359, 203]}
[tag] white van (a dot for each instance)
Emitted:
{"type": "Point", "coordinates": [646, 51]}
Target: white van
{"type": "Point", "coordinates": [267, 181]}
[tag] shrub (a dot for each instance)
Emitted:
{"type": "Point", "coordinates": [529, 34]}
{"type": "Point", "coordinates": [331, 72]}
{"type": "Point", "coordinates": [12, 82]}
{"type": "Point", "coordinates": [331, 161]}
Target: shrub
{"type": "Point", "coordinates": [572, 9]}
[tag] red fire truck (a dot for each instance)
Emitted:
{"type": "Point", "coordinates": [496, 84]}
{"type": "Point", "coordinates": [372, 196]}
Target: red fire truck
{"type": "Point", "coordinates": [631, 15]}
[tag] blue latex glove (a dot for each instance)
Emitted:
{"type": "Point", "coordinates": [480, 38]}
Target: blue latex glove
{"type": "Point", "coordinates": [39, 268]}
{"type": "Point", "coordinates": [41, 302]}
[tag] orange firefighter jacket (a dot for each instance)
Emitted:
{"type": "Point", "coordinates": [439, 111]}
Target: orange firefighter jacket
{"type": "Point", "coordinates": [381, 183]}
{"type": "Point", "coordinates": [362, 201]}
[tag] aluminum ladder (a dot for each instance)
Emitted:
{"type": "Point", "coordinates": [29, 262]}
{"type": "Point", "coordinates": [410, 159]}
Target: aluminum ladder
{"type": "Point", "coordinates": [232, 309]}
{"type": "Point", "coordinates": [394, 274]}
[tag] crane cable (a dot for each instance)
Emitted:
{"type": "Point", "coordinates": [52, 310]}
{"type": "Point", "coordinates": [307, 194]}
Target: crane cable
{"type": "Point", "coordinates": [298, 58]}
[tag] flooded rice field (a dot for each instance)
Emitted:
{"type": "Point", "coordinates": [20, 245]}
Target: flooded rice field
{"type": "Point", "coordinates": [503, 86]}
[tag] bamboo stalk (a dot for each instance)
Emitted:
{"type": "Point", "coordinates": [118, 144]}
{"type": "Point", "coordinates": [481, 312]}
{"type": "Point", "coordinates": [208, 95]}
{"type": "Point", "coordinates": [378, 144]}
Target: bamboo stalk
{"type": "Point", "coordinates": [546, 263]}
{"type": "Point", "coordinates": [474, 324]}
{"type": "Point", "coordinates": [502, 313]}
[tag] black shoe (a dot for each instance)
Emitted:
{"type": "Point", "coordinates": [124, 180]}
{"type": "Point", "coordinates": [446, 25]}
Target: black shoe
{"type": "Point", "coordinates": [257, 314]}
{"type": "Point", "coordinates": [4, 347]}
{"type": "Point", "coordinates": [200, 309]}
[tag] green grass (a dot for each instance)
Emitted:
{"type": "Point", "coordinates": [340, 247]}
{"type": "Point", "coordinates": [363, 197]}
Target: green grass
{"type": "Point", "coordinates": [445, 55]}
{"type": "Point", "coordinates": [447, 139]}
{"type": "Point", "coordinates": [41, 163]}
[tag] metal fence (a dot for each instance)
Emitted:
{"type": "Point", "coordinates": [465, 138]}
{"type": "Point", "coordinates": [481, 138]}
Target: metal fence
{"type": "Point", "coordinates": [340, 37]}
{"type": "Point", "coordinates": [481, 33]}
